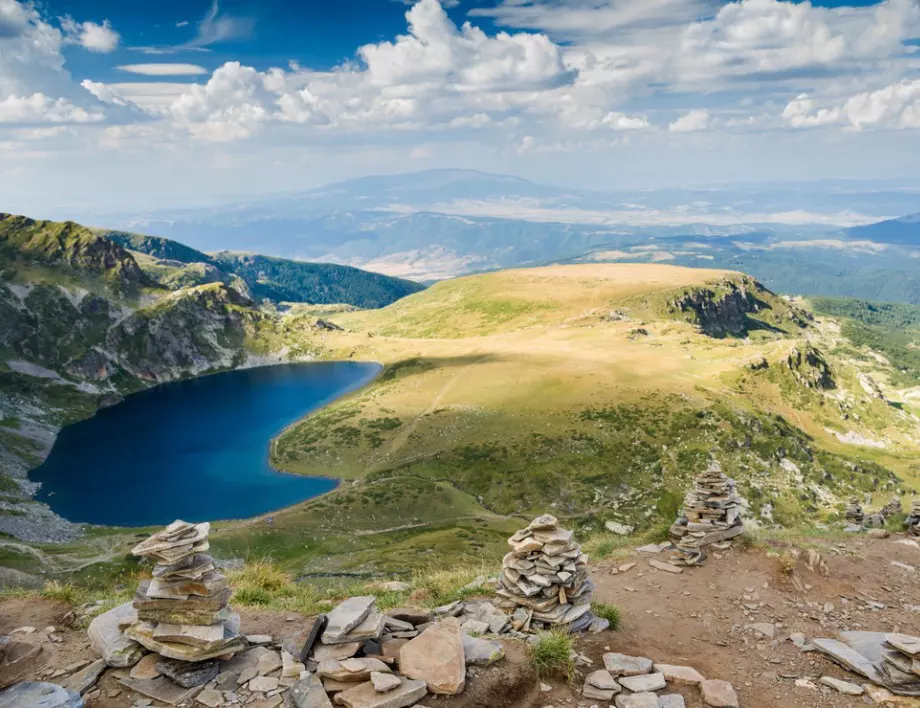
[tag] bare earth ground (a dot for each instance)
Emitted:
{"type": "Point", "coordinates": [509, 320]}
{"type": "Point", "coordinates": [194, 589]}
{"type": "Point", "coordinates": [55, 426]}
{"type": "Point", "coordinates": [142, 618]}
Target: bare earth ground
{"type": "Point", "coordinates": [698, 618]}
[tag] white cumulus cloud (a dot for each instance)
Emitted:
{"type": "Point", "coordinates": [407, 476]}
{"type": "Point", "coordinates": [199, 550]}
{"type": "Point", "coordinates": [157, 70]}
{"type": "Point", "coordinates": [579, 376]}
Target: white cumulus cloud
{"type": "Point", "coordinates": [39, 108]}
{"type": "Point", "coordinates": [691, 122]}
{"type": "Point", "coordinates": [100, 38]}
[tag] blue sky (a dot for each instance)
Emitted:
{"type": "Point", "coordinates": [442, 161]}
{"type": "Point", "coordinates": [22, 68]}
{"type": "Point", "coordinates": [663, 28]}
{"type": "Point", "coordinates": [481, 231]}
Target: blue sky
{"type": "Point", "coordinates": [181, 102]}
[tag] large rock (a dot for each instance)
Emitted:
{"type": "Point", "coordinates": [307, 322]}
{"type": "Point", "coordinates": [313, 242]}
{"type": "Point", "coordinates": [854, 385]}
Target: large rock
{"type": "Point", "coordinates": [308, 693]}
{"type": "Point", "coordinates": [109, 641]}
{"type": "Point", "coordinates": [39, 695]}
{"type": "Point", "coordinates": [436, 657]}
{"type": "Point", "coordinates": [365, 696]}
{"type": "Point", "coordinates": [481, 652]}
{"type": "Point", "coordinates": [719, 694]}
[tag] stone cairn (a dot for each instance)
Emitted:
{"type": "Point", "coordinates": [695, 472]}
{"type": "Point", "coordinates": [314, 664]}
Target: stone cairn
{"type": "Point", "coordinates": [913, 519]}
{"type": "Point", "coordinates": [544, 580]}
{"type": "Point", "coordinates": [892, 508]}
{"type": "Point", "coordinates": [711, 514]}
{"type": "Point", "coordinates": [182, 611]}
{"type": "Point", "coordinates": [854, 511]}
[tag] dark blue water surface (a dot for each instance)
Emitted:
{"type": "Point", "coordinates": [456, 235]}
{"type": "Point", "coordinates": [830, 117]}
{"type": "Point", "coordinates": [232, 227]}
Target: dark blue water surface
{"type": "Point", "coordinates": [194, 450]}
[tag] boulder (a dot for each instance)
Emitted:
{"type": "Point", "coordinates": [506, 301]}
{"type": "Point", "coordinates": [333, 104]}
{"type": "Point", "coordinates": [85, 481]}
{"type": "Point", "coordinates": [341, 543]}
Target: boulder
{"type": "Point", "coordinates": [408, 693]}
{"type": "Point", "coordinates": [719, 694]}
{"type": "Point", "coordinates": [109, 641]}
{"type": "Point", "coordinates": [308, 693]}
{"type": "Point", "coordinates": [30, 694]}
{"type": "Point", "coordinates": [436, 657]}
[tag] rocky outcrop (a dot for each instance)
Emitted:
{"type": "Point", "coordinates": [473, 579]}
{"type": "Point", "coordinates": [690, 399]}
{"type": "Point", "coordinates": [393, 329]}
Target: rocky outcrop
{"type": "Point", "coordinates": [722, 309]}
{"type": "Point", "coordinates": [809, 368]}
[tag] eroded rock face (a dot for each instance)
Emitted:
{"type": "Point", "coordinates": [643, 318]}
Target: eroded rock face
{"type": "Point", "coordinates": [809, 367]}
{"type": "Point", "coordinates": [722, 312]}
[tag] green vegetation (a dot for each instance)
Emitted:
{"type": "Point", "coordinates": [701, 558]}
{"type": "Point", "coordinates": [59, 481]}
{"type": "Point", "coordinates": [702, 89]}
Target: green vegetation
{"type": "Point", "coordinates": [890, 315]}
{"type": "Point", "coordinates": [611, 613]}
{"type": "Point", "coordinates": [551, 656]}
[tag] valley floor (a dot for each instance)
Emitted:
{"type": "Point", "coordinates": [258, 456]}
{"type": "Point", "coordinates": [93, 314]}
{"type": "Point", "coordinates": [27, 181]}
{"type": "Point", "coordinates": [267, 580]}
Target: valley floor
{"type": "Point", "coordinates": [699, 618]}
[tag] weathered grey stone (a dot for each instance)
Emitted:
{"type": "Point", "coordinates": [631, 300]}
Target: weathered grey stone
{"type": "Point", "coordinates": [346, 617]}
{"type": "Point", "coordinates": [671, 700]}
{"type": "Point", "coordinates": [308, 693]}
{"type": "Point", "coordinates": [719, 694]}
{"type": "Point", "coordinates": [263, 684]}
{"type": "Point", "coordinates": [904, 643]}
{"type": "Point", "coordinates": [338, 652]}
{"type": "Point", "coordinates": [596, 694]}
{"type": "Point", "coordinates": [637, 700]}
{"type": "Point", "coordinates": [436, 656]}
{"type": "Point", "coordinates": [109, 641]}
{"type": "Point", "coordinates": [645, 683]}
{"type": "Point", "coordinates": [680, 675]}
{"type": "Point", "coordinates": [290, 667]}
{"type": "Point", "coordinates": [352, 670]}
{"type": "Point", "coordinates": [481, 652]}
{"type": "Point", "coordinates": [666, 567]}
{"type": "Point", "coordinates": [28, 694]}
{"type": "Point", "coordinates": [845, 687]}
{"type": "Point", "coordinates": [408, 693]}
{"type": "Point", "coordinates": [603, 680]}
{"type": "Point", "coordinates": [384, 682]}
{"type": "Point", "coordinates": [300, 645]}
{"type": "Point", "coordinates": [189, 674]}
{"type": "Point", "coordinates": [849, 658]}
{"type": "Point", "coordinates": [623, 665]}
{"type": "Point", "coordinates": [413, 615]}
{"type": "Point", "coordinates": [160, 689]}
{"type": "Point", "coordinates": [85, 678]}
{"type": "Point", "coordinates": [146, 668]}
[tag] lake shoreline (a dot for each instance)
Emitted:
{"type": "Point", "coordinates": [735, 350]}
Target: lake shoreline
{"type": "Point", "coordinates": [34, 521]}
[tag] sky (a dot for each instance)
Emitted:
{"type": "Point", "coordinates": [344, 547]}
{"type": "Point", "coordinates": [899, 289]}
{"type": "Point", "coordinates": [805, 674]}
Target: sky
{"type": "Point", "coordinates": [106, 103]}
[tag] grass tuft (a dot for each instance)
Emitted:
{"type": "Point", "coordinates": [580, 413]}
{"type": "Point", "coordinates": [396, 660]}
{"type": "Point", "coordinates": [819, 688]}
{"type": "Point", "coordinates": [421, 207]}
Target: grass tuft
{"type": "Point", "coordinates": [611, 613]}
{"type": "Point", "coordinates": [551, 656]}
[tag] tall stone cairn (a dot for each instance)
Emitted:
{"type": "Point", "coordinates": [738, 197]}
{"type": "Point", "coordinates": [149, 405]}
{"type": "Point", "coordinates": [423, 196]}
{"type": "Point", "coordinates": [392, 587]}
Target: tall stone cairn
{"type": "Point", "coordinates": [854, 511]}
{"type": "Point", "coordinates": [913, 519]}
{"type": "Point", "coordinates": [711, 514]}
{"type": "Point", "coordinates": [182, 612]}
{"type": "Point", "coordinates": [544, 580]}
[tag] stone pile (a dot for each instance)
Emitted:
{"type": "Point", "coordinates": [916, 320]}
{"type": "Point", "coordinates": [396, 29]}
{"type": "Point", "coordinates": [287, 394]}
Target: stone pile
{"type": "Point", "coordinates": [854, 511]}
{"type": "Point", "coordinates": [544, 580]}
{"type": "Point", "coordinates": [886, 659]}
{"type": "Point", "coordinates": [635, 682]}
{"type": "Point", "coordinates": [913, 519]}
{"type": "Point", "coordinates": [182, 612]}
{"type": "Point", "coordinates": [711, 514]}
{"type": "Point", "coordinates": [892, 508]}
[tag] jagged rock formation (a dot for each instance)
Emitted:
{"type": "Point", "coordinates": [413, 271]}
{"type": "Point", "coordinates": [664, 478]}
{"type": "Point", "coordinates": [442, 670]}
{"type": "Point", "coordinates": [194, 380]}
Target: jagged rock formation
{"type": "Point", "coordinates": [809, 367]}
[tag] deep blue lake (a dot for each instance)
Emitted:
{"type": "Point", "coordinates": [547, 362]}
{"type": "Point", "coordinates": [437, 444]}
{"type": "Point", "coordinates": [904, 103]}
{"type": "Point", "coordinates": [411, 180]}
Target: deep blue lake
{"type": "Point", "coordinates": [194, 450]}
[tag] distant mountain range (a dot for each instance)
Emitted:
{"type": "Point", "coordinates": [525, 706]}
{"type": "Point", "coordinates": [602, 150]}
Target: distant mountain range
{"type": "Point", "coordinates": [803, 238]}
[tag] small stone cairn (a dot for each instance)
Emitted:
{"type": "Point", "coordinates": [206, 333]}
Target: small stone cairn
{"type": "Point", "coordinates": [182, 611]}
{"type": "Point", "coordinates": [913, 519]}
{"type": "Point", "coordinates": [892, 508]}
{"type": "Point", "coordinates": [711, 514]}
{"type": "Point", "coordinates": [544, 580]}
{"type": "Point", "coordinates": [854, 511]}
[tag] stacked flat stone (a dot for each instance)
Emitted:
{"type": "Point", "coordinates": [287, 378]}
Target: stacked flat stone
{"type": "Point", "coordinates": [711, 514]}
{"type": "Point", "coordinates": [913, 518]}
{"type": "Point", "coordinates": [854, 511]}
{"type": "Point", "coordinates": [901, 661]}
{"type": "Point", "coordinates": [182, 611]}
{"type": "Point", "coordinates": [892, 508]}
{"type": "Point", "coordinates": [544, 579]}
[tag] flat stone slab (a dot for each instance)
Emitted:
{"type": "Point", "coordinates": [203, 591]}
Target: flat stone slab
{"type": "Point", "coordinates": [637, 700]}
{"type": "Point", "coordinates": [189, 674]}
{"type": "Point", "coordinates": [849, 659]}
{"type": "Point", "coordinates": [904, 643]}
{"type": "Point", "coordinates": [408, 693]}
{"type": "Point", "coordinates": [645, 683]}
{"type": "Point", "coordinates": [308, 693]}
{"type": "Point", "coordinates": [436, 657]}
{"type": "Point", "coordinates": [323, 652]}
{"type": "Point", "coordinates": [845, 687]}
{"type": "Point", "coordinates": [680, 675]}
{"type": "Point", "coordinates": [666, 567]}
{"type": "Point", "coordinates": [623, 665]}
{"type": "Point", "coordinates": [85, 678]}
{"type": "Point", "coordinates": [39, 695]}
{"type": "Point", "coordinates": [351, 670]}
{"type": "Point", "coordinates": [719, 694]}
{"type": "Point", "coordinates": [672, 700]}
{"type": "Point", "coordinates": [384, 682]}
{"type": "Point", "coordinates": [346, 617]}
{"type": "Point", "coordinates": [603, 680]}
{"type": "Point", "coordinates": [596, 694]}
{"type": "Point", "coordinates": [160, 689]}
{"type": "Point", "coordinates": [300, 645]}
